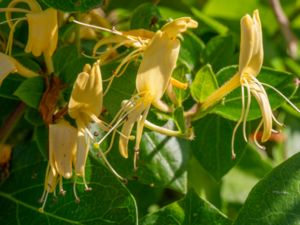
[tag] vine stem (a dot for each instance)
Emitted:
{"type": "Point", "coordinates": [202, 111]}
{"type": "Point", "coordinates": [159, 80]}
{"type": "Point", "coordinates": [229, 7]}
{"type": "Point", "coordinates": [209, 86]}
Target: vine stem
{"type": "Point", "coordinates": [11, 122]}
{"type": "Point", "coordinates": [77, 35]}
{"type": "Point", "coordinates": [284, 24]}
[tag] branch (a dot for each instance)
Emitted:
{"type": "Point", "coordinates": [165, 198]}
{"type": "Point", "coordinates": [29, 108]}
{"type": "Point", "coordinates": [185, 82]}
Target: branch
{"type": "Point", "coordinates": [291, 40]}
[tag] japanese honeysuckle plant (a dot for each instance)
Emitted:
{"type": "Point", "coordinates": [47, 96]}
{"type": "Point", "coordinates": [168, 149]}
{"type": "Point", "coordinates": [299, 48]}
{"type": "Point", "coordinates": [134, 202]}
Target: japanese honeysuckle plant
{"type": "Point", "coordinates": [103, 101]}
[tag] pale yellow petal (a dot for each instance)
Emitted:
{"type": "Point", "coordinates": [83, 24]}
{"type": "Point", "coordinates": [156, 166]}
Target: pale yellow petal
{"type": "Point", "coordinates": [81, 153]}
{"type": "Point", "coordinates": [42, 32]}
{"type": "Point", "coordinates": [179, 25]}
{"type": "Point", "coordinates": [247, 42]}
{"type": "Point", "coordinates": [62, 145]}
{"type": "Point", "coordinates": [87, 94]}
{"type": "Point", "coordinates": [157, 65]}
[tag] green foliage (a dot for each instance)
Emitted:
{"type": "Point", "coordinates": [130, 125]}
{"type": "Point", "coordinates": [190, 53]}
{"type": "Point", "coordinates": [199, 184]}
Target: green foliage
{"type": "Point", "coordinates": [73, 5]}
{"type": "Point", "coordinates": [212, 145]}
{"type": "Point", "coordinates": [31, 91]}
{"type": "Point", "coordinates": [20, 194]}
{"type": "Point", "coordinates": [190, 210]}
{"type": "Point", "coordinates": [204, 84]}
{"type": "Point", "coordinates": [275, 199]}
{"type": "Point", "coordinates": [185, 179]}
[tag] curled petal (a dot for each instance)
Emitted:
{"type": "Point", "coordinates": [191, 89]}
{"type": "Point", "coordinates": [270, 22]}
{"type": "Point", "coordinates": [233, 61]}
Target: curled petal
{"type": "Point", "coordinates": [87, 95]}
{"type": "Point", "coordinates": [10, 65]}
{"type": "Point", "coordinates": [178, 26]}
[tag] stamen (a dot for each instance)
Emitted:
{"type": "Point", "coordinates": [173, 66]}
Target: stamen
{"type": "Point", "coordinates": [11, 20]}
{"type": "Point", "coordinates": [77, 199]}
{"type": "Point", "coordinates": [44, 202]}
{"type": "Point", "coordinates": [255, 137]}
{"type": "Point", "coordinates": [283, 96]}
{"type": "Point", "coordinates": [61, 188]}
{"type": "Point", "coordinates": [113, 31]}
{"type": "Point", "coordinates": [136, 158]}
{"type": "Point", "coordinates": [233, 155]}
{"type": "Point", "coordinates": [86, 187]}
{"type": "Point", "coordinates": [11, 36]}
{"type": "Point", "coordinates": [247, 109]}
{"type": "Point", "coordinates": [16, 10]}
{"type": "Point", "coordinates": [277, 122]}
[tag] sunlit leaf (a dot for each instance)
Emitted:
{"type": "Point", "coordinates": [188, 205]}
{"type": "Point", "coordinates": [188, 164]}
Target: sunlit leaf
{"type": "Point", "coordinates": [212, 145]}
{"type": "Point", "coordinates": [189, 210]}
{"type": "Point", "coordinates": [204, 84]}
{"type": "Point", "coordinates": [275, 199]}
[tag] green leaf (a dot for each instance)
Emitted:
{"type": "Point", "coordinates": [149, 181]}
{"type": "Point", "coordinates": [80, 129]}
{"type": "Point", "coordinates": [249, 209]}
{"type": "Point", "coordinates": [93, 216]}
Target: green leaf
{"type": "Point", "coordinates": [40, 136]}
{"type": "Point", "coordinates": [109, 202]}
{"type": "Point", "coordinates": [162, 161]}
{"type": "Point", "coordinates": [122, 88]}
{"type": "Point", "coordinates": [237, 184]}
{"type": "Point", "coordinates": [275, 199]}
{"type": "Point", "coordinates": [212, 145]}
{"type": "Point", "coordinates": [191, 50]}
{"type": "Point", "coordinates": [10, 85]}
{"type": "Point", "coordinates": [189, 210]}
{"type": "Point", "coordinates": [145, 16]}
{"type": "Point", "coordinates": [64, 56]}
{"type": "Point", "coordinates": [31, 91]}
{"type": "Point", "coordinates": [73, 5]}
{"type": "Point", "coordinates": [33, 116]}
{"type": "Point", "coordinates": [209, 21]}
{"type": "Point", "coordinates": [219, 52]}
{"type": "Point", "coordinates": [204, 84]}
{"type": "Point", "coordinates": [232, 105]}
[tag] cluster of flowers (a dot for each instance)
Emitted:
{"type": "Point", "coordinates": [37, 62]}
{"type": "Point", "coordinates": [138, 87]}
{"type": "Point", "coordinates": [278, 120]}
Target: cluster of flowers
{"type": "Point", "coordinates": [69, 146]}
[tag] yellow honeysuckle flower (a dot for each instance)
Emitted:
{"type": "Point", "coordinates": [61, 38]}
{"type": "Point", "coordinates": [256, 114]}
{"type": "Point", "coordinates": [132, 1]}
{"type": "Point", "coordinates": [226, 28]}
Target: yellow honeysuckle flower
{"type": "Point", "coordinates": [153, 77]}
{"type": "Point", "coordinates": [42, 29]}
{"type": "Point", "coordinates": [85, 106]}
{"type": "Point", "coordinates": [250, 63]}
{"type": "Point", "coordinates": [10, 65]}
{"type": "Point", "coordinates": [62, 151]}
{"type": "Point", "coordinates": [139, 39]}
{"type": "Point", "coordinates": [86, 99]}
